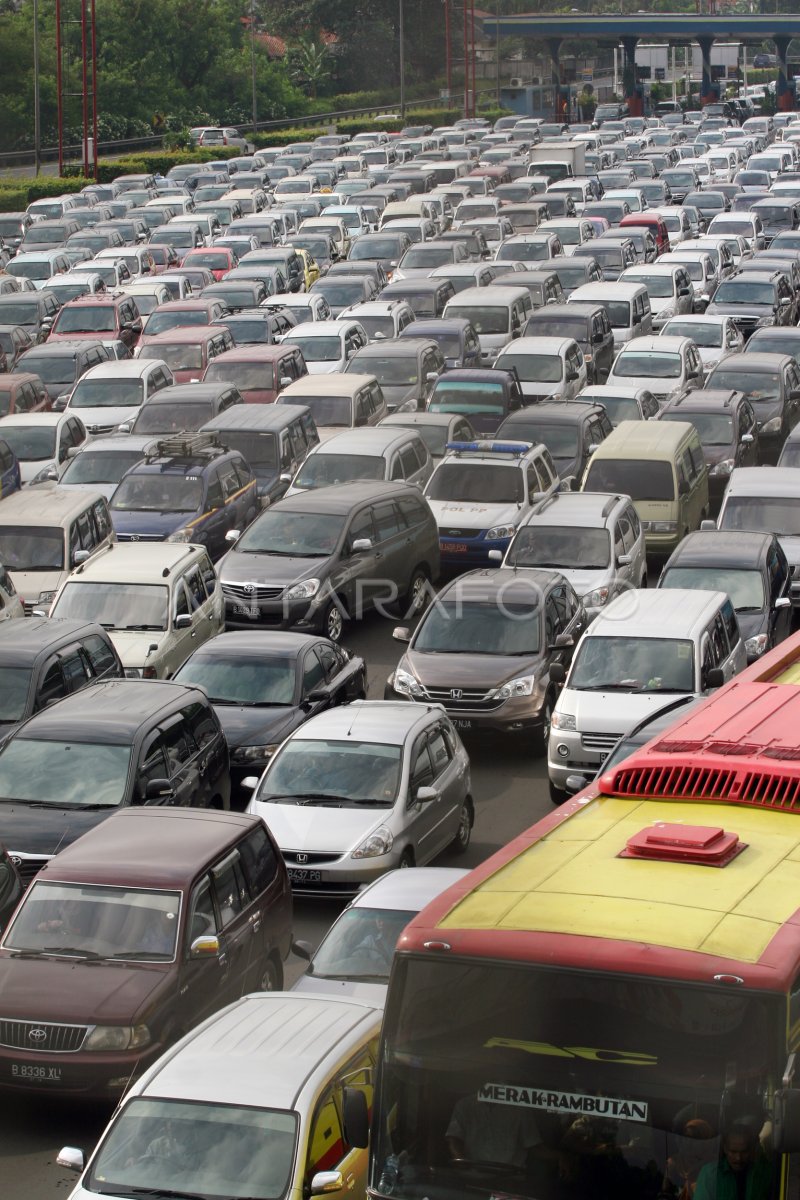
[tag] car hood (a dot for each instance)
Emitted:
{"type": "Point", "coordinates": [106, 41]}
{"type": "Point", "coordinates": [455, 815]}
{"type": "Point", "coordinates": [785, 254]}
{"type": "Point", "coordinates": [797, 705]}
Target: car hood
{"type": "Point", "coordinates": [315, 829]}
{"type": "Point", "coordinates": [148, 524]}
{"type": "Point", "coordinates": [29, 469]}
{"type": "Point", "coordinates": [132, 645]}
{"type": "Point", "coordinates": [43, 831]}
{"type": "Point", "coordinates": [584, 581]}
{"type": "Point", "coordinates": [324, 368]}
{"type": "Point", "coordinates": [75, 992]}
{"type": "Point", "coordinates": [396, 394]}
{"type": "Point", "coordinates": [452, 514]}
{"type": "Point", "coordinates": [612, 712]}
{"type": "Point", "coordinates": [240, 567]}
{"type": "Point", "coordinates": [748, 311]}
{"type": "Point", "coordinates": [468, 670]}
{"type": "Point", "coordinates": [752, 623]}
{"type": "Point", "coordinates": [345, 989]}
{"type": "Point", "coordinates": [791, 548]}
{"type": "Point", "coordinates": [30, 584]}
{"type": "Point", "coordinates": [97, 419]}
{"type": "Point", "coordinates": [659, 387]}
{"type": "Point", "coordinates": [541, 391]}
{"type": "Point", "coordinates": [246, 726]}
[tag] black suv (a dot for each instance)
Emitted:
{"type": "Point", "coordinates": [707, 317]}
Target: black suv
{"type": "Point", "coordinates": [727, 428]}
{"type": "Point", "coordinates": [42, 661]}
{"type": "Point", "coordinates": [120, 742]}
{"type": "Point", "coordinates": [570, 430]}
{"type": "Point", "coordinates": [754, 299]}
{"type": "Point", "coordinates": [771, 382]}
{"type": "Point", "coordinates": [187, 489]}
{"type": "Point", "coordinates": [406, 369]}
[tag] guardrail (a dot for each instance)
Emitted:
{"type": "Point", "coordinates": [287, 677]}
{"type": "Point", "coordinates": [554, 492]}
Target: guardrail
{"type": "Point", "coordinates": [25, 158]}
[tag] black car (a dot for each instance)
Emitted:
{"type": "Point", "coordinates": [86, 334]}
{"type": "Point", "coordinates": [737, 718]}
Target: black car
{"type": "Point", "coordinates": [771, 382]}
{"type": "Point", "coordinates": [406, 369]}
{"type": "Point", "coordinates": [263, 685]}
{"type": "Point", "coordinates": [455, 337]}
{"type": "Point", "coordinates": [571, 431]}
{"type": "Point", "coordinates": [753, 570]}
{"type": "Point", "coordinates": [728, 432]}
{"type": "Point", "coordinates": [258, 326]}
{"type": "Point", "coordinates": [42, 661]}
{"type": "Point", "coordinates": [120, 742]}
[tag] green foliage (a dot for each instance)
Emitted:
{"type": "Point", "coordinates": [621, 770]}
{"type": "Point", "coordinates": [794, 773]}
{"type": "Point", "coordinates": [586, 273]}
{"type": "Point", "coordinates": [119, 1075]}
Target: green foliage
{"type": "Point", "coordinates": [17, 194]}
{"type": "Point", "coordinates": [285, 137]}
{"type": "Point", "coordinates": [310, 63]}
{"type": "Point", "coordinates": [13, 198]}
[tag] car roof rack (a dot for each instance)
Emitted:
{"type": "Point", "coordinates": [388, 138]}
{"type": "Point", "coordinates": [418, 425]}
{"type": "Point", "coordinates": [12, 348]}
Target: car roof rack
{"type": "Point", "coordinates": [185, 445]}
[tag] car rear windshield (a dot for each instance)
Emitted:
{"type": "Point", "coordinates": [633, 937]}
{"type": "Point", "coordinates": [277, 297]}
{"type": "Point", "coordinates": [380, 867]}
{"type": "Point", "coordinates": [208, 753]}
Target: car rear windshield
{"type": "Point", "coordinates": [562, 547]}
{"type": "Point", "coordinates": [653, 363]}
{"type": "Point", "coordinates": [763, 514]}
{"type": "Point", "coordinates": [37, 548]}
{"type": "Point", "coordinates": [158, 493]}
{"type": "Point", "coordinates": [486, 483]}
{"type": "Point", "coordinates": [258, 449]}
{"type": "Point", "coordinates": [646, 480]}
{"type": "Point", "coordinates": [633, 664]}
{"type": "Point", "coordinates": [745, 587]}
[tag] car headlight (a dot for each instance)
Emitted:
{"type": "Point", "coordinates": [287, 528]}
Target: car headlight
{"type": "Point", "coordinates": [133, 672]}
{"type": "Point", "coordinates": [771, 426]}
{"type": "Point", "coordinates": [757, 645]}
{"type": "Point", "coordinates": [498, 532]}
{"type": "Point", "coordinates": [597, 598]}
{"type": "Point", "coordinates": [379, 842]}
{"type": "Point", "coordinates": [406, 684]}
{"type": "Point", "coordinates": [562, 721]}
{"type": "Point", "coordinates": [304, 590]}
{"type": "Point", "coordinates": [763, 321]}
{"type": "Point", "coordinates": [180, 535]}
{"type": "Point", "coordinates": [46, 597]}
{"type": "Point", "coordinates": [664, 526]}
{"type": "Point", "coordinates": [117, 1037]}
{"type": "Point", "coordinates": [515, 687]}
{"type": "Point", "coordinates": [722, 468]}
{"type": "Point", "coordinates": [247, 754]}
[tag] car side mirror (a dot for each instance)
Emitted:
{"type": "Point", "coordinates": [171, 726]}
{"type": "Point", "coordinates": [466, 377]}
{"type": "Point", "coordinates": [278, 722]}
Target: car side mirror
{"type": "Point", "coordinates": [782, 602]}
{"type": "Point", "coordinates": [206, 946]}
{"type": "Point", "coordinates": [557, 672]}
{"type": "Point", "coordinates": [326, 1182]}
{"type": "Point", "coordinates": [424, 795]}
{"type": "Point", "coordinates": [285, 380]}
{"type": "Point", "coordinates": [79, 556]}
{"type": "Point", "coordinates": [401, 633]}
{"type": "Point", "coordinates": [356, 1118]}
{"type": "Point", "coordinates": [708, 525]}
{"type": "Point", "coordinates": [563, 641]}
{"type": "Point", "coordinates": [157, 789]}
{"type": "Point", "coordinates": [361, 545]}
{"type": "Point", "coordinates": [233, 534]}
{"type": "Point", "coordinates": [747, 439]}
{"type": "Point", "coordinates": [303, 950]}
{"type": "Point", "coordinates": [683, 487]}
{"type": "Point", "coordinates": [495, 556]}
{"type": "Point", "coordinates": [714, 678]}
{"type": "Point", "coordinates": [184, 621]}
{"type": "Point", "coordinates": [72, 1158]}
{"type": "Point", "coordinates": [623, 560]}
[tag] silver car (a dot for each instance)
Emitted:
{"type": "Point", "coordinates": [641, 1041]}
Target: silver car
{"type": "Point", "coordinates": [355, 956]}
{"type": "Point", "coordinates": [361, 789]}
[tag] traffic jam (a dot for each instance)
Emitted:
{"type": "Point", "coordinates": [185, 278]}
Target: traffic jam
{"type": "Point", "coordinates": [527, 397]}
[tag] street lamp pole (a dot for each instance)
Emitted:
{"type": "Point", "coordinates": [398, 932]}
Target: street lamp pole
{"type": "Point", "coordinates": [448, 56]}
{"type": "Point", "coordinates": [37, 119]}
{"type": "Point", "coordinates": [253, 63]}
{"type": "Point", "coordinates": [402, 31]}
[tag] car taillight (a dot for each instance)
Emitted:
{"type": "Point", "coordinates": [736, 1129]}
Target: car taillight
{"type": "Point", "coordinates": [149, 673]}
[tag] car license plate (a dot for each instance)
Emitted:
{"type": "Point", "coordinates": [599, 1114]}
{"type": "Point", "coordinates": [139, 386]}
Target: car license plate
{"type": "Point", "coordinates": [246, 610]}
{"type": "Point", "coordinates": [296, 876]}
{"type": "Point", "coordinates": [42, 1074]}
{"type": "Point", "coordinates": [454, 547]}
{"type": "Point", "coordinates": [460, 723]}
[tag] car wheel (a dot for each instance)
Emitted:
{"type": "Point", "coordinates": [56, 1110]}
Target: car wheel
{"type": "Point", "coordinates": [333, 622]}
{"type": "Point", "coordinates": [272, 977]}
{"type": "Point", "coordinates": [557, 794]}
{"type": "Point", "coordinates": [412, 602]}
{"type": "Point", "coordinates": [466, 820]}
{"type": "Point", "coordinates": [407, 858]}
{"type": "Point", "coordinates": [542, 735]}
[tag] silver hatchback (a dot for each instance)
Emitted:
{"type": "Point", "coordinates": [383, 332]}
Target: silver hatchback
{"type": "Point", "coordinates": [359, 790]}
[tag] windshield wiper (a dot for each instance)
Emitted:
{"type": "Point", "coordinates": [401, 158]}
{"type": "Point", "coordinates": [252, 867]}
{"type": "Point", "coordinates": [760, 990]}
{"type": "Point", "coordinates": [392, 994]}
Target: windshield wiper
{"type": "Point", "coordinates": [80, 951]}
{"type": "Point", "coordinates": [303, 797]}
{"type": "Point", "coordinates": [140, 628]}
{"type": "Point", "coordinates": [168, 1193]}
{"type": "Point", "coordinates": [139, 954]}
{"type": "Point", "coordinates": [627, 685]}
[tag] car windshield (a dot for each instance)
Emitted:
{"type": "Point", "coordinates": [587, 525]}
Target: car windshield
{"type": "Point", "coordinates": [790, 454]}
{"type": "Point", "coordinates": [173, 418]}
{"type": "Point", "coordinates": [619, 408]}
{"type": "Point", "coordinates": [374, 248]}
{"type": "Point", "coordinates": [57, 370]}
{"type": "Point", "coordinates": [467, 396]}
{"type": "Point", "coordinates": [14, 687]}
{"type": "Point", "coordinates": [777, 216]}
{"type": "Point", "coordinates": [633, 664]}
{"type": "Point", "coordinates": [395, 370]}
{"type": "Point", "coordinates": [246, 376]}
{"type": "Point", "coordinates": [756, 385]}
{"type": "Point", "coordinates": [536, 368]}
{"type": "Point", "coordinates": [780, 344]}
{"type": "Point", "coordinates": [476, 482]}
{"type": "Point", "coordinates": [292, 534]}
{"type": "Point", "coordinates": [115, 605]}
{"type": "Point", "coordinates": [360, 945]}
{"type": "Point", "coordinates": [484, 320]}
{"type": "Point", "coordinates": [714, 429]}
{"type": "Point", "coordinates": [378, 324]}
{"type": "Point", "coordinates": [31, 548]}
{"type": "Point", "coordinates": [618, 311]}
{"type": "Point", "coordinates": [656, 364]}
{"type": "Point", "coordinates": [239, 680]}
{"type": "Point", "coordinates": [324, 348]}
{"type": "Point", "coordinates": [702, 333]}
{"type": "Point", "coordinates": [164, 322]}
{"type": "Point", "coordinates": [333, 774]}
{"type": "Point", "coordinates": [322, 469]}
{"type": "Point", "coordinates": [65, 774]}
{"type": "Point", "coordinates": [427, 256]}
{"type": "Point", "coordinates": [96, 921]}
{"type": "Point", "coordinates": [107, 393]}
{"type": "Point", "coordinates": [564, 547]}
{"type": "Point", "coordinates": [763, 514]}
{"type": "Point", "coordinates": [318, 248]}
{"type": "Point", "coordinates": [100, 466]}
{"type": "Point", "coordinates": [516, 251]}
{"type": "Point", "coordinates": [150, 492]}
{"type": "Point", "coordinates": [745, 587]}
{"type": "Point", "coordinates": [466, 627]}
{"type": "Point", "coordinates": [179, 356]}
{"type": "Point", "coordinates": [659, 287]}
{"type": "Point", "coordinates": [90, 318]}
{"type": "Point", "coordinates": [31, 443]}
{"type": "Point", "coordinates": [180, 1148]}
{"type": "Point", "coordinates": [258, 449]}
{"type": "Point", "coordinates": [744, 291]}
{"type": "Point", "coordinates": [341, 291]}
{"type": "Point", "coordinates": [25, 269]}
{"type": "Point", "coordinates": [640, 480]}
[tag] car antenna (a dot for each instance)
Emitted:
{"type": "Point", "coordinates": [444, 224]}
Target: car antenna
{"type": "Point", "coordinates": [355, 718]}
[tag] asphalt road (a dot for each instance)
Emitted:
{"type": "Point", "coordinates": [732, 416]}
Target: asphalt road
{"type": "Point", "coordinates": [510, 791]}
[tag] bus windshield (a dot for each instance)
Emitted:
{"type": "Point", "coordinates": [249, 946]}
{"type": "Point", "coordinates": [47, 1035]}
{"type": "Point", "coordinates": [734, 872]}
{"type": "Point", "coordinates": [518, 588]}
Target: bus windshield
{"type": "Point", "coordinates": [554, 1083]}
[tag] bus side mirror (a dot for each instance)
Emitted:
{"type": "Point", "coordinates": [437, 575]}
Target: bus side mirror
{"type": "Point", "coordinates": [356, 1118]}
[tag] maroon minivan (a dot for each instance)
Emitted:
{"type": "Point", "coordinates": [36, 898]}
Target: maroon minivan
{"type": "Point", "coordinates": [132, 935]}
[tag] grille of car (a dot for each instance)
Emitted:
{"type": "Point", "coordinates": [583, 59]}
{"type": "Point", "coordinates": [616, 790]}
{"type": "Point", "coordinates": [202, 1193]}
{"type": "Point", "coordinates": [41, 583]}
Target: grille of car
{"type": "Point", "coordinates": [140, 537]}
{"type": "Point", "coordinates": [459, 699]}
{"type": "Point", "coordinates": [28, 866]}
{"type": "Point", "coordinates": [35, 1035]}
{"type": "Point", "coordinates": [299, 858]}
{"type": "Point", "coordinates": [459, 533]}
{"type": "Point", "coordinates": [249, 593]}
{"type": "Point", "coordinates": [602, 742]}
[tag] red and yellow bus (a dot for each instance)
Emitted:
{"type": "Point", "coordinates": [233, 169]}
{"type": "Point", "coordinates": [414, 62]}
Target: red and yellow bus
{"type": "Point", "coordinates": [606, 1005]}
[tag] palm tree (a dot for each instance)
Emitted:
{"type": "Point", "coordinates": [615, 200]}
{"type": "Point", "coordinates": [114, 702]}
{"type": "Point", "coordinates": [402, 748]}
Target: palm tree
{"type": "Point", "coordinates": [312, 63]}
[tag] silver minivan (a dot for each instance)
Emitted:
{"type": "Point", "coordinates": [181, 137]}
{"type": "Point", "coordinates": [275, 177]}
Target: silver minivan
{"type": "Point", "coordinates": [386, 452]}
{"type": "Point", "coordinates": [627, 305]}
{"type": "Point", "coordinates": [497, 313]}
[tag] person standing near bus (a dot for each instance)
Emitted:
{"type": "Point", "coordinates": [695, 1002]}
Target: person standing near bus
{"type": "Point", "coordinates": [743, 1173]}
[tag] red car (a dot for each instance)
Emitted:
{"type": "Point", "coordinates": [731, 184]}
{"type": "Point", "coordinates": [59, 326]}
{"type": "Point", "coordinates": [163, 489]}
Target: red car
{"type": "Point", "coordinates": [218, 259]}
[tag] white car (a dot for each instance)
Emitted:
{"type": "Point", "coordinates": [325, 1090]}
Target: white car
{"type": "Point", "coordinates": [666, 366]}
{"type": "Point", "coordinates": [715, 335]}
{"type": "Point", "coordinates": [549, 368]}
{"type": "Point", "coordinates": [327, 345]}
{"type": "Point", "coordinates": [113, 392]}
{"type": "Point", "coordinates": [42, 441]}
{"type": "Point", "coordinates": [159, 601]}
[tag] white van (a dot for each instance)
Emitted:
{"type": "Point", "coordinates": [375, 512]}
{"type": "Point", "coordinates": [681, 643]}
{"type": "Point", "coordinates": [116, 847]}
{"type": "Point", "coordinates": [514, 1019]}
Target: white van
{"type": "Point", "coordinates": [639, 654]}
{"type": "Point", "coordinates": [256, 1101]}
{"type": "Point", "coordinates": [497, 313]}
{"type": "Point", "coordinates": [627, 305]}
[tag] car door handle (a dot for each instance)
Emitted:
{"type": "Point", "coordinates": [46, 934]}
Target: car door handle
{"type": "Point", "coordinates": [256, 923]}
